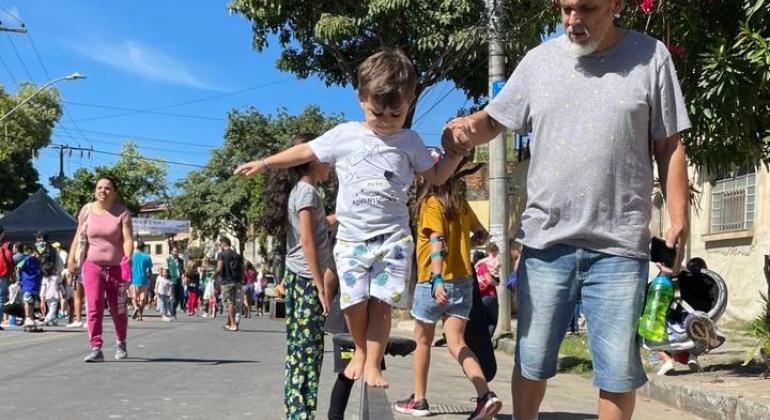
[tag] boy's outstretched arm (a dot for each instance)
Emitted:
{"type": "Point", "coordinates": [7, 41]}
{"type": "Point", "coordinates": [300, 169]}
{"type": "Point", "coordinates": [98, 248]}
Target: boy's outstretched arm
{"type": "Point", "coordinates": [440, 172]}
{"type": "Point", "coordinates": [293, 156]}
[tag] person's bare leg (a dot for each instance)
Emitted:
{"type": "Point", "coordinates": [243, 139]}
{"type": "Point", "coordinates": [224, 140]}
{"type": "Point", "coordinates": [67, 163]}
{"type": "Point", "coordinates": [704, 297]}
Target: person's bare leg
{"type": "Point", "coordinates": [357, 318]}
{"type": "Point", "coordinates": [616, 405]}
{"type": "Point", "coordinates": [454, 329]}
{"type": "Point", "coordinates": [376, 340]}
{"type": "Point", "coordinates": [142, 297]}
{"type": "Point", "coordinates": [423, 335]}
{"type": "Point", "coordinates": [78, 301]}
{"type": "Point", "coordinates": [527, 396]}
{"type": "Point", "coordinates": [231, 316]}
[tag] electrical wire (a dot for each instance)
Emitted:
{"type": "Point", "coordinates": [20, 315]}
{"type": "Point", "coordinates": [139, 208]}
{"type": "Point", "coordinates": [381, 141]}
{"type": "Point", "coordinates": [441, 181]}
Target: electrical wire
{"type": "Point", "coordinates": [204, 99]}
{"type": "Point", "coordinates": [142, 111]}
{"type": "Point", "coordinates": [152, 139]}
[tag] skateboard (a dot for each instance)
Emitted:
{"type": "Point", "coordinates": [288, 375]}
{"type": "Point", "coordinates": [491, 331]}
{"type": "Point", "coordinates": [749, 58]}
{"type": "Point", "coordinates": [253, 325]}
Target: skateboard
{"type": "Point", "coordinates": [32, 328]}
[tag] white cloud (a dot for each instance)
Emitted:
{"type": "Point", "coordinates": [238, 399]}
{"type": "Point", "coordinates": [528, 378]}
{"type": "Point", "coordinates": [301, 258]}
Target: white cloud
{"type": "Point", "coordinates": [144, 61]}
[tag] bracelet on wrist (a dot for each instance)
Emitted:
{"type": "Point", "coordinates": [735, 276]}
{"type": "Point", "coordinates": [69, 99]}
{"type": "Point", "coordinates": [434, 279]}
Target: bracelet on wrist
{"type": "Point", "coordinates": [263, 164]}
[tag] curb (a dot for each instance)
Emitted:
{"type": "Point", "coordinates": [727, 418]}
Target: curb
{"type": "Point", "coordinates": [709, 405]}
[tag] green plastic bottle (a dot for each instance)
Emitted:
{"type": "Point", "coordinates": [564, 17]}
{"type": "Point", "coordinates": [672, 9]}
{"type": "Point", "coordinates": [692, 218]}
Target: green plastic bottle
{"type": "Point", "coordinates": [652, 324]}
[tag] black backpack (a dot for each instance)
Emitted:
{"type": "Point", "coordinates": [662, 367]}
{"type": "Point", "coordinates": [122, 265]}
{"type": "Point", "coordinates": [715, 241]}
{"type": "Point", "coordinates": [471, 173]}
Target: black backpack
{"type": "Point", "coordinates": [236, 268]}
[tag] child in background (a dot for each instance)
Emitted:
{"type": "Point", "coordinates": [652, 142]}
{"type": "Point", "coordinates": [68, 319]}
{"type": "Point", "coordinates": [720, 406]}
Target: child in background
{"type": "Point", "coordinates": [444, 291]}
{"type": "Point", "coordinates": [31, 275]}
{"type": "Point", "coordinates": [163, 290]}
{"type": "Point", "coordinates": [210, 297]}
{"type": "Point", "coordinates": [51, 293]}
{"type": "Point", "coordinates": [375, 161]}
{"type": "Point", "coordinates": [193, 283]}
{"type": "Point", "coordinates": [297, 204]}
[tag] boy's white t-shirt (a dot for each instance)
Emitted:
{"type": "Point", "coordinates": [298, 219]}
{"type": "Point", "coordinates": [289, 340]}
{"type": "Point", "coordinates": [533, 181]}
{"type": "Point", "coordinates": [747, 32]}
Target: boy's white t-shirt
{"type": "Point", "coordinates": [374, 174]}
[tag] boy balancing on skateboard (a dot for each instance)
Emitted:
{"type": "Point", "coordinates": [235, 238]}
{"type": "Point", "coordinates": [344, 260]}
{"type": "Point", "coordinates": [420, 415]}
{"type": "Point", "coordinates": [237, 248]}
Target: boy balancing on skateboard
{"type": "Point", "coordinates": [376, 161]}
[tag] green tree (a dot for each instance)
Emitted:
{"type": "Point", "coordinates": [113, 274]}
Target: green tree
{"type": "Point", "coordinates": [446, 39]}
{"type": "Point", "coordinates": [23, 133]}
{"type": "Point", "coordinates": [721, 49]}
{"type": "Point", "coordinates": [214, 200]}
{"type": "Point", "coordinates": [138, 180]}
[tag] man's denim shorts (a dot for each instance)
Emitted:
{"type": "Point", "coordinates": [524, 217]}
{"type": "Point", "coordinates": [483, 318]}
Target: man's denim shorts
{"type": "Point", "coordinates": [612, 289]}
{"type": "Point", "coordinates": [459, 293]}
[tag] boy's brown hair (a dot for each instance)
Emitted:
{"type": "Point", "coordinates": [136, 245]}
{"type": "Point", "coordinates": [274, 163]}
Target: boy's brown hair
{"type": "Point", "coordinates": [387, 78]}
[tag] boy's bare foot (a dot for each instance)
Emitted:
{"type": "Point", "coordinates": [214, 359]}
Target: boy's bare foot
{"type": "Point", "coordinates": [374, 378]}
{"type": "Point", "coordinates": [355, 367]}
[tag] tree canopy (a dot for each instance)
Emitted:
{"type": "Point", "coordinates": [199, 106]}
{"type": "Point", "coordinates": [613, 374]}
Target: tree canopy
{"type": "Point", "coordinates": [213, 199]}
{"type": "Point", "coordinates": [446, 39]}
{"type": "Point", "coordinates": [23, 133]}
{"type": "Point", "coordinates": [721, 49]}
{"type": "Point", "coordinates": [138, 180]}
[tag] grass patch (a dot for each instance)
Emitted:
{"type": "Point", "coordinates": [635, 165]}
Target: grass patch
{"type": "Point", "coordinates": [574, 356]}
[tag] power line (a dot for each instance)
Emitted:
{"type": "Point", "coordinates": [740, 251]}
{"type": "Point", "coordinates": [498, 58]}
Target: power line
{"type": "Point", "coordinates": [155, 139]}
{"type": "Point", "coordinates": [204, 99]}
{"type": "Point", "coordinates": [23, 65]}
{"type": "Point", "coordinates": [13, 16]}
{"type": "Point", "coordinates": [142, 111]}
{"type": "Point", "coordinates": [169, 162]}
{"type": "Point", "coordinates": [140, 146]}
{"type": "Point", "coordinates": [48, 76]}
{"type": "Point", "coordinates": [16, 82]}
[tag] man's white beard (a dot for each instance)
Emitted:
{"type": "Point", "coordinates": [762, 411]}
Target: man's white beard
{"type": "Point", "coordinates": [580, 50]}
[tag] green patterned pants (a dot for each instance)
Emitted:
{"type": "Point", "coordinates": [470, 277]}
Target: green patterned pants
{"type": "Point", "coordinates": [304, 347]}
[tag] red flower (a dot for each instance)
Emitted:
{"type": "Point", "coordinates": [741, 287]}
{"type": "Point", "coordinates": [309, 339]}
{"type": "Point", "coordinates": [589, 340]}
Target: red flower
{"type": "Point", "coordinates": [676, 49]}
{"type": "Point", "coordinates": [645, 5]}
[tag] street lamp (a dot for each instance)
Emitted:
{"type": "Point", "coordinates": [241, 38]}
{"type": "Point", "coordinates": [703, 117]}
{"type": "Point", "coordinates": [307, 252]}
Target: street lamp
{"type": "Point", "coordinates": [73, 76]}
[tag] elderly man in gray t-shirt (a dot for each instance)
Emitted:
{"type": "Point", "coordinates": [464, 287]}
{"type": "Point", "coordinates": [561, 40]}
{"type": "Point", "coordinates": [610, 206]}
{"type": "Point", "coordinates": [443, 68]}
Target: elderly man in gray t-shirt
{"type": "Point", "coordinates": [597, 100]}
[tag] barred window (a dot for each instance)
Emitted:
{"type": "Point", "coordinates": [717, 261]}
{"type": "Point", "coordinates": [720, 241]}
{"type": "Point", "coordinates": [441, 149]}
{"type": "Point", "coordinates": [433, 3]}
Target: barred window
{"type": "Point", "coordinates": [732, 200]}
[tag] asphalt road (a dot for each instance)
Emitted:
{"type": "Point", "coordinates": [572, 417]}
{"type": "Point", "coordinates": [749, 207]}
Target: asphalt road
{"type": "Point", "coordinates": [192, 369]}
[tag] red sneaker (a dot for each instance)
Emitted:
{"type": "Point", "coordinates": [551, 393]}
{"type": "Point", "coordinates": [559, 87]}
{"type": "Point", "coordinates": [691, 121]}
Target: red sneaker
{"type": "Point", "coordinates": [415, 408]}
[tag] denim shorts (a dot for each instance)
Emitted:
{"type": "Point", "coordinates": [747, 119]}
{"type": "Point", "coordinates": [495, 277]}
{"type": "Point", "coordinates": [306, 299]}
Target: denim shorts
{"type": "Point", "coordinates": [459, 294]}
{"type": "Point", "coordinates": [612, 289]}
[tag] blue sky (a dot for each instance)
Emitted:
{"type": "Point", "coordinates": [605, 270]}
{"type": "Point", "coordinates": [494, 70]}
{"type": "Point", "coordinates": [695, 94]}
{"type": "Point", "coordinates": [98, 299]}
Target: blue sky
{"type": "Point", "coordinates": [157, 53]}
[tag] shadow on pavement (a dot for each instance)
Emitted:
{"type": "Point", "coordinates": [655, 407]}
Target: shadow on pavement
{"type": "Point", "coordinates": [733, 369]}
{"type": "Point", "coordinates": [184, 360]}
{"type": "Point", "coordinates": [262, 331]}
{"type": "Point", "coordinates": [556, 415]}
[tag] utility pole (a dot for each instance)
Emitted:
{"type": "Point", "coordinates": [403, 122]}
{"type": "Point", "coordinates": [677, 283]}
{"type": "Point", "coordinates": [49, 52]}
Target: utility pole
{"type": "Point", "coordinates": [498, 173]}
{"type": "Point", "coordinates": [58, 181]}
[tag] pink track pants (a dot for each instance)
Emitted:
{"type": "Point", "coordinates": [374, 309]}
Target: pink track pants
{"type": "Point", "coordinates": [98, 282]}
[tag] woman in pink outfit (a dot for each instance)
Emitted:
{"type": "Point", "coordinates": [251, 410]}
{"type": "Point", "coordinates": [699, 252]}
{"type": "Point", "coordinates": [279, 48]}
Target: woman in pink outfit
{"type": "Point", "coordinates": [105, 271]}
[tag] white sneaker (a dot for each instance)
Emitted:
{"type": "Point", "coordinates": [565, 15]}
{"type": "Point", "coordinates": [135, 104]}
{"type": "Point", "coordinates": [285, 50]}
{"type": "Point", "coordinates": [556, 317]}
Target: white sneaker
{"type": "Point", "coordinates": [75, 324]}
{"type": "Point", "coordinates": [692, 363]}
{"type": "Point", "coordinates": [205, 315]}
{"type": "Point", "coordinates": [666, 368]}
{"type": "Point", "coordinates": [28, 322]}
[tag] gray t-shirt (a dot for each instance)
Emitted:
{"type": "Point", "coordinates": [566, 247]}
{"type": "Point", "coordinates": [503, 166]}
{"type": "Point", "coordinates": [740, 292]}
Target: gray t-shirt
{"type": "Point", "coordinates": [593, 120]}
{"type": "Point", "coordinates": [306, 196]}
{"type": "Point", "coordinates": [374, 174]}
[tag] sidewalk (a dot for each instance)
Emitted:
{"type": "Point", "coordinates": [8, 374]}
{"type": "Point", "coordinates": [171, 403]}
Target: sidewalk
{"type": "Point", "coordinates": [569, 397]}
{"type": "Point", "coordinates": [722, 390]}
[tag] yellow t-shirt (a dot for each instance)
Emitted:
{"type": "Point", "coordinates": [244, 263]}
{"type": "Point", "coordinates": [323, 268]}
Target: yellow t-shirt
{"type": "Point", "coordinates": [457, 258]}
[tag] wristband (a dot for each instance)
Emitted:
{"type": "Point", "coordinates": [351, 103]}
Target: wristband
{"type": "Point", "coordinates": [263, 164]}
{"type": "Point", "coordinates": [437, 238]}
{"type": "Point", "coordinates": [435, 281]}
{"type": "Point", "coordinates": [436, 254]}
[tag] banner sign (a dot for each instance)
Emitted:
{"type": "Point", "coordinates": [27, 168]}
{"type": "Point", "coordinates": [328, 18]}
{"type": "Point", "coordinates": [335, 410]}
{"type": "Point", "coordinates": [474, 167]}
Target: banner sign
{"type": "Point", "coordinates": [145, 225]}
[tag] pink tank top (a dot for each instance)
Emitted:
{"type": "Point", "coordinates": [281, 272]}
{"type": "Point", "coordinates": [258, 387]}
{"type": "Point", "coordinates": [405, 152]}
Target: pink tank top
{"type": "Point", "coordinates": [105, 234]}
